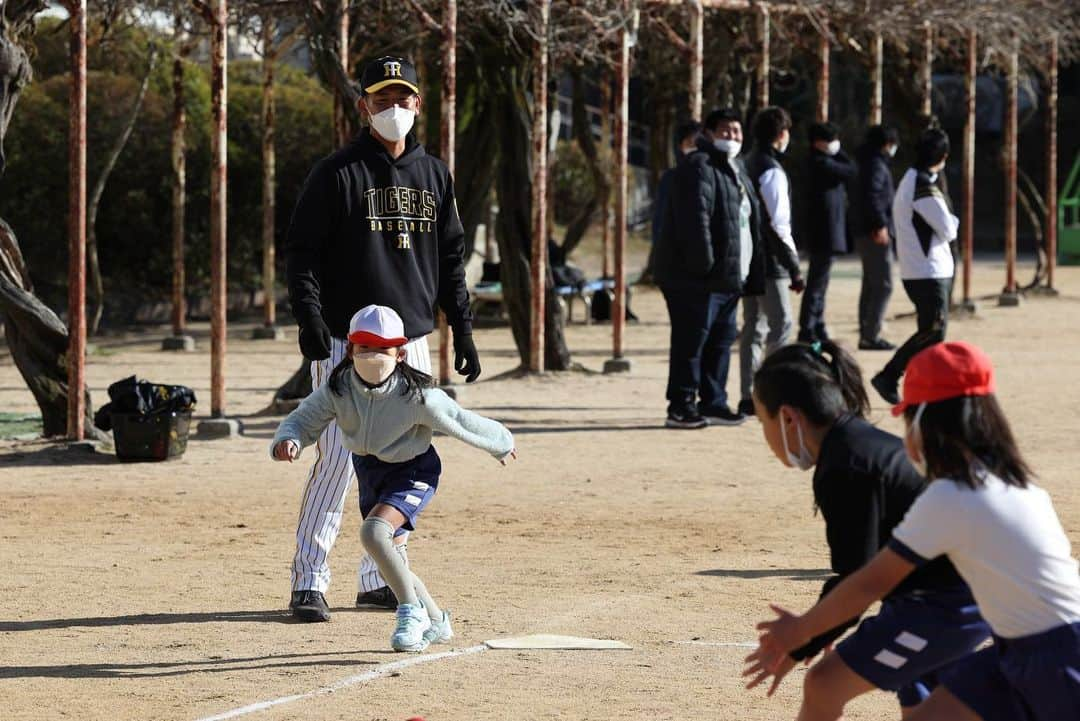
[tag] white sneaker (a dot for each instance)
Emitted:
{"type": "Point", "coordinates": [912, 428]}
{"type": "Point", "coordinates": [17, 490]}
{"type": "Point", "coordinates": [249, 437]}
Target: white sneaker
{"type": "Point", "coordinates": [412, 623]}
{"type": "Point", "coordinates": [440, 631]}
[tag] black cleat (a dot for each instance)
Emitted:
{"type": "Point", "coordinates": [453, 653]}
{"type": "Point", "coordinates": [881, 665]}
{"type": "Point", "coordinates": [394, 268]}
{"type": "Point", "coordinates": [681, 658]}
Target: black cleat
{"type": "Point", "coordinates": [379, 598]}
{"type": "Point", "coordinates": [876, 344]}
{"type": "Point", "coordinates": [886, 388]}
{"type": "Point", "coordinates": [723, 417]}
{"type": "Point", "coordinates": [746, 408]}
{"type": "Point", "coordinates": [309, 606]}
{"type": "Point", "coordinates": [685, 420]}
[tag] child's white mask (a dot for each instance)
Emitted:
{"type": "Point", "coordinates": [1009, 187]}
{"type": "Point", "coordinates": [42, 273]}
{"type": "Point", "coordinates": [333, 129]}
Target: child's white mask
{"type": "Point", "coordinates": [915, 432]}
{"type": "Point", "coordinates": [804, 461]}
{"type": "Point", "coordinates": [374, 368]}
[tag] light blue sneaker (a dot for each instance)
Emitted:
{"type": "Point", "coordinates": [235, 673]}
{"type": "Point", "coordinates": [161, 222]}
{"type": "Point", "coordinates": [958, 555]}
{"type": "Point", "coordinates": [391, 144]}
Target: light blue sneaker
{"type": "Point", "coordinates": [412, 623]}
{"type": "Point", "coordinates": [440, 631]}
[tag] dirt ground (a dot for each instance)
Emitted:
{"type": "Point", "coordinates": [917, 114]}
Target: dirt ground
{"type": "Point", "coordinates": [157, 591]}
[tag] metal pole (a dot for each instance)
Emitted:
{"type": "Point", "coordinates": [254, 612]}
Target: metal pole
{"type": "Point", "coordinates": [877, 45]}
{"type": "Point", "coordinates": [76, 354]}
{"type": "Point", "coordinates": [179, 168]}
{"type": "Point", "coordinates": [218, 207]}
{"type": "Point", "coordinates": [967, 235]}
{"type": "Point", "coordinates": [1009, 296]}
{"type": "Point", "coordinates": [341, 123]}
{"type": "Point", "coordinates": [697, 23]}
{"type": "Point", "coordinates": [1051, 160]}
{"type": "Point", "coordinates": [538, 268]}
{"type": "Point", "coordinates": [605, 141]}
{"type": "Point", "coordinates": [928, 70]}
{"type": "Point", "coordinates": [622, 134]}
{"type": "Point", "coordinates": [763, 66]}
{"type": "Point", "coordinates": [269, 309]}
{"type": "Point", "coordinates": [823, 79]}
{"type": "Point", "coordinates": [447, 139]}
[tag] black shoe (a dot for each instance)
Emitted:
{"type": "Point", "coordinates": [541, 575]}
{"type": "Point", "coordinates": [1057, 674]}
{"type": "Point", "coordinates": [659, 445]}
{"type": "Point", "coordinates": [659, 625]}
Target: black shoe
{"type": "Point", "coordinates": [723, 417]}
{"type": "Point", "coordinates": [805, 336]}
{"type": "Point", "coordinates": [886, 388]}
{"type": "Point", "coordinates": [876, 344]}
{"type": "Point", "coordinates": [746, 408]}
{"type": "Point", "coordinates": [309, 606]}
{"type": "Point", "coordinates": [689, 419]}
{"type": "Point", "coordinates": [379, 598]}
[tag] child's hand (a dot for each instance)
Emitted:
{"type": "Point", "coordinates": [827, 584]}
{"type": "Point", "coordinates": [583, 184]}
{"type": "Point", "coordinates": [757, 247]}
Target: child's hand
{"type": "Point", "coordinates": [512, 455]}
{"type": "Point", "coordinates": [286, 451]}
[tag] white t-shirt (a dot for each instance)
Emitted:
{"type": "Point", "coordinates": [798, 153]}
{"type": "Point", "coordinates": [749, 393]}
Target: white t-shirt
{"type": "Point", "coordinates": [1009, 546]}
{"type": "Point", "coordinates": [931, 209]}
{"type": "Point", "coordinates": [746, 239]}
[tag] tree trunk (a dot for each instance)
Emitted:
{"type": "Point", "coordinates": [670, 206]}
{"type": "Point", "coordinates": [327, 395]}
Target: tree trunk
{"type": "Point", "coordinates": [269, 57]}
{"type": "Point", "coordinates": [93, 266]}
{"type": "Point", "coordinates": [514, 192]}
{"type": "Point", "coordinates": [179, 191]}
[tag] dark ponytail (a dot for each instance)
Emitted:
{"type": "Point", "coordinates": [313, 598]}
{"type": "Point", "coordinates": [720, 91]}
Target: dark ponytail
{"type": "Point", "coordinates": [415, 382]}
{"type": "Point", "coordinates": [820, 379]}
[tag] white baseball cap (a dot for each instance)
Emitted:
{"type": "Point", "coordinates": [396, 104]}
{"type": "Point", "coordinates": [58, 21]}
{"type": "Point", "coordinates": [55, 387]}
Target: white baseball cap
{"type": "Point", "coordinates": [378, 326]}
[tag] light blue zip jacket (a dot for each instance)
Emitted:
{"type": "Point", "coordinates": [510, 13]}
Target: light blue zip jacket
{"type": "Point", "coordinates": [382, 422]}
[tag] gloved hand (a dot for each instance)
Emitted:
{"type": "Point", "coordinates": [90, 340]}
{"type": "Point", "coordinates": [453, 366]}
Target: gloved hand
{"type": "Point", "coordinates": [315, 339]}
{"type": "Point", "coordinates": [466, 359]}
{"type": "Point", "coordinates": [798, 284]}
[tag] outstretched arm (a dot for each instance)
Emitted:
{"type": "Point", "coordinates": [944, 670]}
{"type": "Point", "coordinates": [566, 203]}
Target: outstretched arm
{"type": "Point", "coordinates": [442, 414]}
{"type": "Point", "coordinates": [307, 422]}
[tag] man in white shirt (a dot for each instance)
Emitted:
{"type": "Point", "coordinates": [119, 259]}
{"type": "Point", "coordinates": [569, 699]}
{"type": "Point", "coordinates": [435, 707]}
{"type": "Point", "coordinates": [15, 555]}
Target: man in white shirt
{"type": "Point", "coordinates": [925, 226]}
{"type": "Point", "coordinates": [768, 319]}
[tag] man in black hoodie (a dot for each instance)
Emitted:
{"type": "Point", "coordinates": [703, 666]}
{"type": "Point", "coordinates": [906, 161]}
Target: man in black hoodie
{"type": "Point", "coordinates": [376, 223]}
{"type": "Point", "coordinates": [708, 256]}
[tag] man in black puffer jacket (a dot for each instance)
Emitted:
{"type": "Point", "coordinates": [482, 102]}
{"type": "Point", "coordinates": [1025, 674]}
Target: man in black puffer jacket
{"type": "Point", "coordinates": [708, 256]}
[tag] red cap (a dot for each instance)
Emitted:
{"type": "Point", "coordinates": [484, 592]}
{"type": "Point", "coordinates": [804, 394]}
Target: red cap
{"type": "Point", "coordinates": [943, 371]}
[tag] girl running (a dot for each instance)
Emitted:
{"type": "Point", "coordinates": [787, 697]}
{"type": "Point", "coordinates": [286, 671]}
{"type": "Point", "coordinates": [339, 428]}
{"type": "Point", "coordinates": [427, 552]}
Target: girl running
{"type": "Point", "coordinates": [386, 411]}
{"type": "Point", "coordinates": [811, 403]}
{"type": "Point", "coordinates": [984, 514]}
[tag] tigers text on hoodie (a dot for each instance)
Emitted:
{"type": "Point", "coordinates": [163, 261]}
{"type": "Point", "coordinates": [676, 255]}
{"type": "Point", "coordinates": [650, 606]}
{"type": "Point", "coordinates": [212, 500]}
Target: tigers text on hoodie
{"type": "Point", "coordinates": [372, 229]}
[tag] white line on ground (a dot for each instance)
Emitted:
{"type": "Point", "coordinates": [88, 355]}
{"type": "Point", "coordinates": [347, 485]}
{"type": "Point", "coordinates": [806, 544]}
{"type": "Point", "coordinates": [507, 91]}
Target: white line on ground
{"type": "Point", "coordinates": [738, 644]}
{"type": "Point", "coordinates": [371, 675]}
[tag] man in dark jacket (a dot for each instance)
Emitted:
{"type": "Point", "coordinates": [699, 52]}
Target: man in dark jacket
{"type": "Point", "coordinates": [874, 232]}
{"type": "Point", "coordinates": [767, 320]}
{"type": "Point", "coordinates": [686, 136]}
{"type": "Point", "coordinates": [826, 223]}
{"type": "Point", "coordinates": [376, 223]}
{"type": "Point", "coordinates": [709, 255]}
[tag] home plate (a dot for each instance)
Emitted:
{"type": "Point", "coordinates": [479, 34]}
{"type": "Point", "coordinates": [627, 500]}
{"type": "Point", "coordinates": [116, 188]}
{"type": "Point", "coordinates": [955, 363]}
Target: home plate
{"type": "Point", "coordinates": [563, 643]}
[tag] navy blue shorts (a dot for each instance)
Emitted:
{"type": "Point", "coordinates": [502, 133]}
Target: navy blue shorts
{"type": "Point", "coordinates": [912, 637]}
{"type": "Point", "coordinates": [1032, 678]}
{"type": "Point", "coordinates": [407, 486]}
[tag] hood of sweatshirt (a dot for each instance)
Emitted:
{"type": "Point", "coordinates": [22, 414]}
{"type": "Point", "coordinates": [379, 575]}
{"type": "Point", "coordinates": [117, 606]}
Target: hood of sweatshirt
{"type": "Point", "coordinates": [372, 149]}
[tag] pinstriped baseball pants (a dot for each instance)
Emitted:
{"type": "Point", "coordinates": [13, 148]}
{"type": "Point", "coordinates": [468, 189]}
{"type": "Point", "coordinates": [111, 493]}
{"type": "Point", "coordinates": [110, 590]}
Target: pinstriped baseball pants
{"type": "Point", "coordinates": [328, 485]}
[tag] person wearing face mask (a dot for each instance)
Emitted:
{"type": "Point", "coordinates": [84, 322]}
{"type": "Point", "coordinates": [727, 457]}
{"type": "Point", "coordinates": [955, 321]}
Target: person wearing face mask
{"type": "Point", "coordinates": [812, 405]}
{"type": "Point", "coordinates": [708, 256]}
{"type": "Point", "coordinates": [925, 228]}
{"type": "Point", "coordinates": [376, 222]}
{"type": "Point", "coordinates": [874, 232]}
{"type": "Point", "coordinates": [767, 320]}
{"type": "Point", "coordinates": [982, 512]}
{"type": "Point", "coordinates": [386, 411]}
{"type": "Point", "coordinates": [829, 171]}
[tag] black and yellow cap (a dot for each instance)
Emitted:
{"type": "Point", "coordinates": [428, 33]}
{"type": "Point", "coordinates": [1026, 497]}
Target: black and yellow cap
{"type": "Point", "coordinates": [386, 71]}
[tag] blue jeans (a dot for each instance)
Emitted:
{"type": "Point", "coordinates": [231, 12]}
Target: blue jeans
{"type": "Point", "coordinates": [703, 329]}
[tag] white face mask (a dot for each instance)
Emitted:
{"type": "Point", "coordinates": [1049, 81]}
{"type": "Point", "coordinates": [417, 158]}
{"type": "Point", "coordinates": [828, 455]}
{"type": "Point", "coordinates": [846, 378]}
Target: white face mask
{"type": "Point", "coordinates": [833, 147]}
{"type": "Point", "coordinates": [803, 461]}
{"type": "Point", "coordinates": [731, 148]}
{"type": "Point", "coordinates": [784, 145]}
{"type": "Point", "coordinates": [374, 368]}
{"type": "Point", "coordinates": [394, 123]}
{"type": "Point", "coordinates": [891, 151]}
{"type": "Point", "coordinates": [915, 434]}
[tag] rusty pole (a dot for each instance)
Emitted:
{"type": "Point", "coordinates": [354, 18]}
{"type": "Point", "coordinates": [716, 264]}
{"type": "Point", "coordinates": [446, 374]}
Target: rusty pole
{"type": "Point", "coordinates": [1051, 160]}
{"type": "Point", "coordinates": [605, 142]}
{"type": "Point", "coordinates": [269, 309]}
{"type": "Point", "coordinates": [341, 115]}
{"type": "Point", "coordinates": [447, 140]}
{"type": "Point", "coordinates": [967, 235]}
{"type": "Point", "coordinates": [697, 56]}
{"type": "Point", "coordinates": [877, 45]}
{"type": "Point", "coordinates": [538, 266]}
{"type": "Point", "coordinates": [1009, 295]}
{"type": "Point", "coordinates": [622, 132]}
{"type": "Point", "coordinates": [927, 70]}
{"type": "Point", "coordinates": [179, 168]}
{"type": "Point", "coordinates": [763, 66]}
{"type": "Point", "coordinates": [76, 354]}
{"type": "Point", "coordinates": [218, 206]}
{"type": "Point", "coordinates": [823, 79]}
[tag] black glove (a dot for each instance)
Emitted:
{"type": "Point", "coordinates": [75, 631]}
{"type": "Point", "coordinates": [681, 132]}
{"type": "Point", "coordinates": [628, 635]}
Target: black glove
{"type": "Point", "coordinates": [315, 339]}
{"type": "Point", "coordinates": [798, 284]}
{"type": "Point", "coordinates": [466, 359]}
